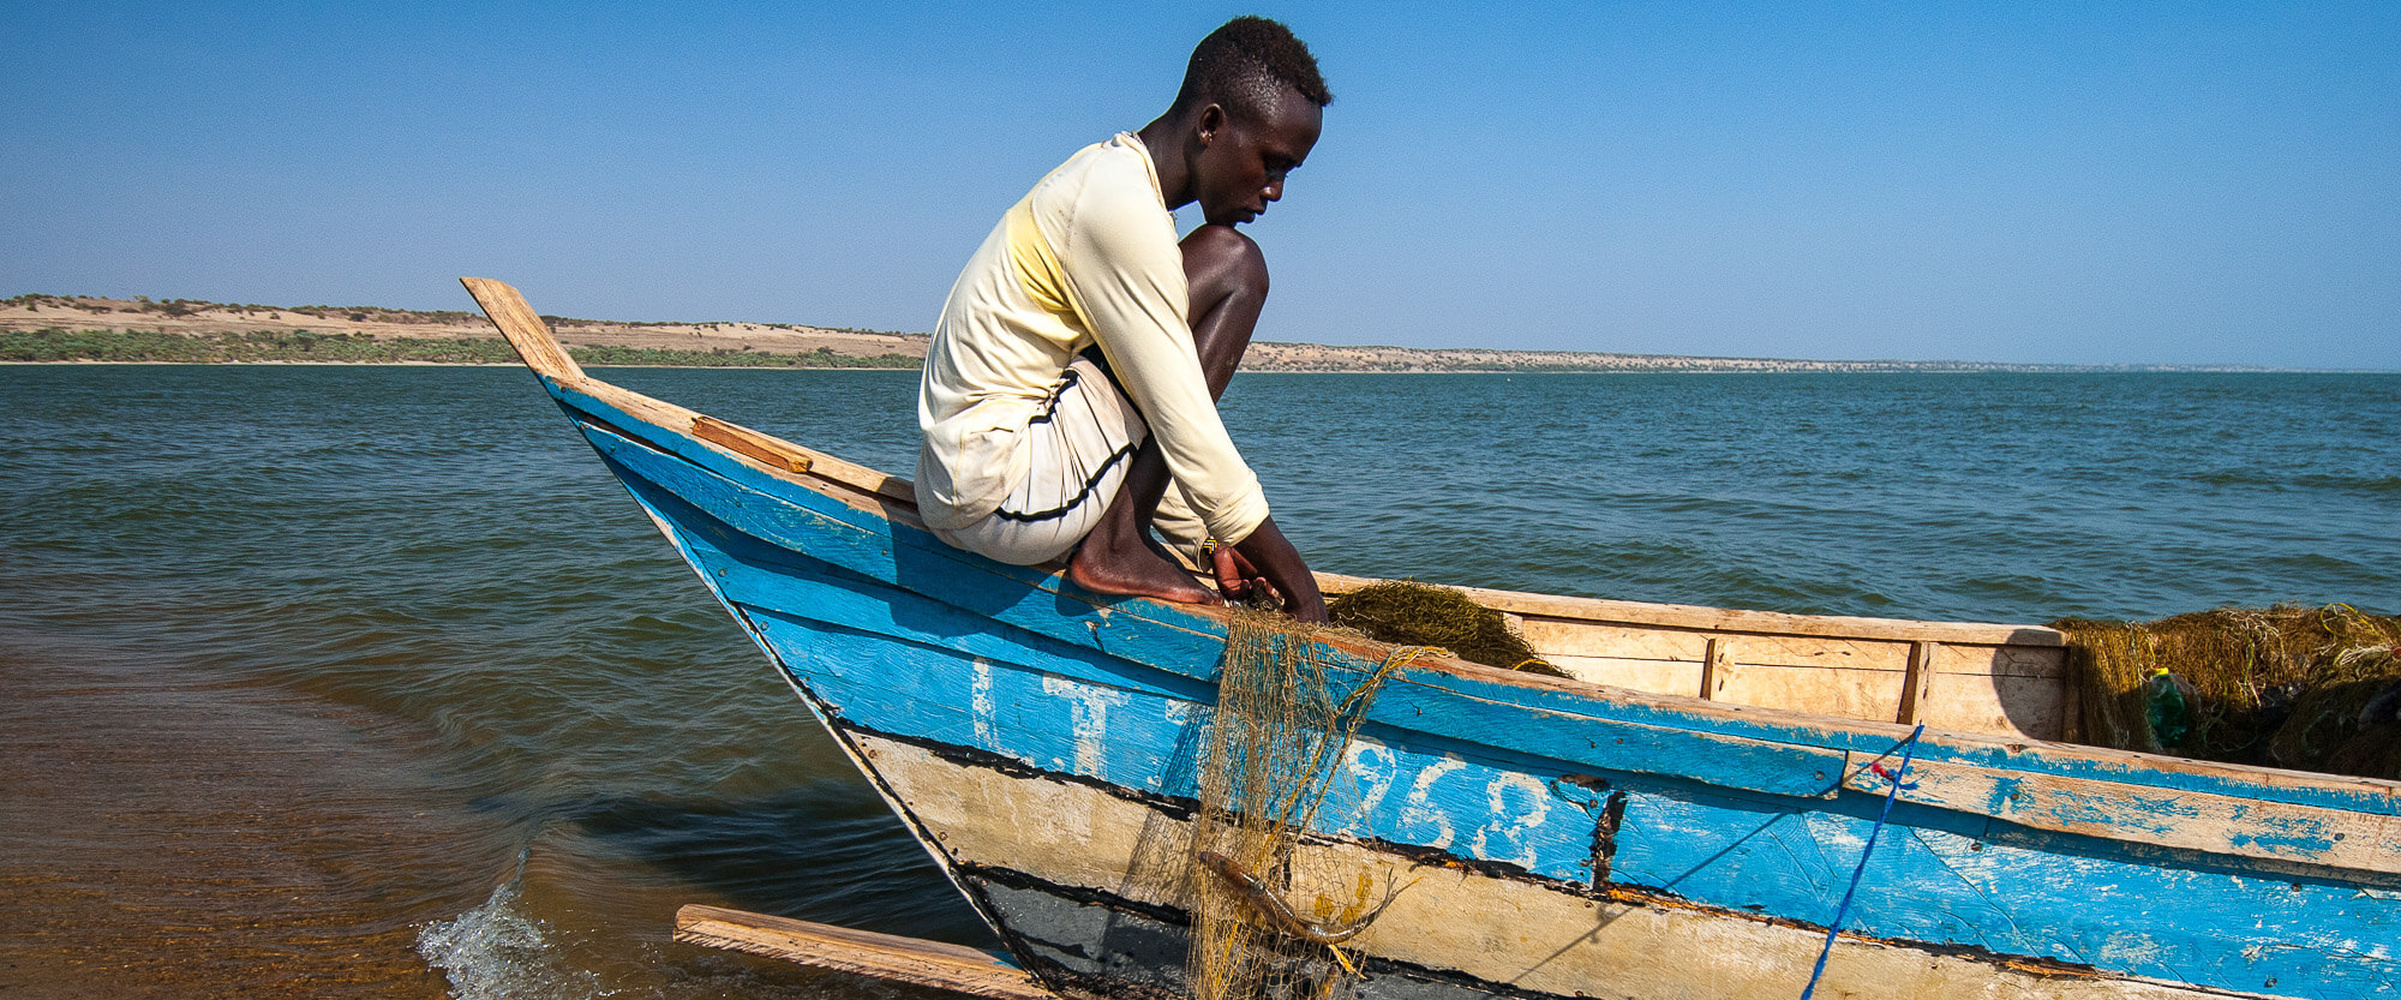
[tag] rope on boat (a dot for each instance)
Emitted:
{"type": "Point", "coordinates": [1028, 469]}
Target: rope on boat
{"type": "Point", "coordinates": [1908, 749]}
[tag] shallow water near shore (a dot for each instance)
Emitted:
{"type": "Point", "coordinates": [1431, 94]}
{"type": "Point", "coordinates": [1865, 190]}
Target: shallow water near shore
{"type": "Point", "coordinates": [372, 682]}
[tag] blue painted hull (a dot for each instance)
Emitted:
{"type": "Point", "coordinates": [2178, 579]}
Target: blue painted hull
{"type": "Point", "coordinates": [948, 676]}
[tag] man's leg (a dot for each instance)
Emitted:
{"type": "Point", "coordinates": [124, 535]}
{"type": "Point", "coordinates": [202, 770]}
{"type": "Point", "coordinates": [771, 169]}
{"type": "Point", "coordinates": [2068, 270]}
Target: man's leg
{"type": "Point", "coordinates": [1228, 280]}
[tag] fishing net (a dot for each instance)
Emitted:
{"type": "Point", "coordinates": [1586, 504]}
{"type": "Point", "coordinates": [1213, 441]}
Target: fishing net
{"type": "Point", "coordinates": [1419, 614]}
{"type": "Point", "coordinates": [2315, 689]}
{"type": "Point", "coordinates": [1287, 709]}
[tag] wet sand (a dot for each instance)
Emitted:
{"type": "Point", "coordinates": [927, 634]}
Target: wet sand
{"type": "Point", "coordinates": [170, 839]}
{"type": "Point", "coordinates": [185, 841]}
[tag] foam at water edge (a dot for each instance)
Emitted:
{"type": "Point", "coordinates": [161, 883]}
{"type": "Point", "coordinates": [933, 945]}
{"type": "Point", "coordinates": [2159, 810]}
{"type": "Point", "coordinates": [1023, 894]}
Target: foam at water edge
{"type": "Point", "coordinates": [494, 952]}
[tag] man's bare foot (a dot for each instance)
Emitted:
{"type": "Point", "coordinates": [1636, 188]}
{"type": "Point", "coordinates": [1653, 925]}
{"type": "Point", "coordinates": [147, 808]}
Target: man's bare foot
{"type": "Point", "coordinates": [1136, 571]}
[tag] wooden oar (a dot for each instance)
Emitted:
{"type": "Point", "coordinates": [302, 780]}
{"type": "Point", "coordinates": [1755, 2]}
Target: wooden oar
{"type": "Point", "coordinates": [882, 956]}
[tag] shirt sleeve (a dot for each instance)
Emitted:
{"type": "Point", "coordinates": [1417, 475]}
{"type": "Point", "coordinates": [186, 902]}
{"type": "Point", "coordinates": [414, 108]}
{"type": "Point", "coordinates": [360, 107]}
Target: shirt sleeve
{"type": "Point", "coordinates": [1122, 263]}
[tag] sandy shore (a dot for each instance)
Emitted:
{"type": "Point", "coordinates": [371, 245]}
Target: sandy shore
{"type": "Point", "coordinates": [34, 312]}
{"type": "Point", "coordinates": [191, 319]}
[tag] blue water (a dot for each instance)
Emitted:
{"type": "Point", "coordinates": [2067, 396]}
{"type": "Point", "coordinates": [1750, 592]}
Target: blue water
{"type": "Point", "coordinates": [1994, 497]}
{"type": "Point", "coordinates": [332, 681]}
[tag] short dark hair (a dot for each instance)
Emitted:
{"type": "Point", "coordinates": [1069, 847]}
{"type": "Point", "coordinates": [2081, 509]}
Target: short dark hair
{"type": "Point", "coordinates": [1245, 63]}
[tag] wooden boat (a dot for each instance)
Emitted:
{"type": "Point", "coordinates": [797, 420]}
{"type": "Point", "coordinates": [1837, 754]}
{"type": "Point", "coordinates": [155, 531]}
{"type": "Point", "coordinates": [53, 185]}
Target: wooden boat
{"type": "Point", "coordinates": [1678, 820]}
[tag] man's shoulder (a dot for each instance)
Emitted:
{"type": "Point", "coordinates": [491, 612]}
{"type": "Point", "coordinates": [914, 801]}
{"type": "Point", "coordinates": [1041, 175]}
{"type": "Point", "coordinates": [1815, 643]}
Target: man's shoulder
{"type": "Point", "coordinates": [1115, 174]}
{"type": "Point", "coordinates": [1117, 153]}
{"type": "Point", "coordinates": [1104, 201]}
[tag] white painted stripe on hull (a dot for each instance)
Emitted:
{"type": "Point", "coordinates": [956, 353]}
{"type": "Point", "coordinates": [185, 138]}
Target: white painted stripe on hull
{"type": "Point", "coordinates": [1518, 933]}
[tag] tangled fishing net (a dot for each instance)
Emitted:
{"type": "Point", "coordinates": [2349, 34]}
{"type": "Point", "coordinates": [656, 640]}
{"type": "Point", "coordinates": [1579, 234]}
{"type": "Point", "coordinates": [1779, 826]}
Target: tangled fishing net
{"type": "Point", "coordinates": [2314, 689]}
{"type": "Point", "coordinates": [1418, 614]}
{"type": "Point", "coordinates": [1287, 710]}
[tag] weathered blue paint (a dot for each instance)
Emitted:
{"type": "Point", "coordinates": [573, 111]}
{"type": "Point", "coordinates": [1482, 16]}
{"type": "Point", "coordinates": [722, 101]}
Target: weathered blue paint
{"type": "Point", "coordinates": [1935, 885]}
{"type": "Point", "coordinates": [759, 505]}
{"type": "Point", "coordinates": [897, 633]}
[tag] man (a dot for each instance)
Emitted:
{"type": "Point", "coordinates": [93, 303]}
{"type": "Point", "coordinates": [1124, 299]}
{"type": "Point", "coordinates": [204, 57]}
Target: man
{"type": "Point", "coordinates": [1073, 377]}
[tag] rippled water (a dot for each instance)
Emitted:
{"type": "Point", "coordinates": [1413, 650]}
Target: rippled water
{"type": "Point", "coordinates": [370, 681]}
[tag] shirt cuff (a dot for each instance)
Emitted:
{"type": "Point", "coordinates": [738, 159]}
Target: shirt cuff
{"type": "Point", "coordinates": [1240, 515]}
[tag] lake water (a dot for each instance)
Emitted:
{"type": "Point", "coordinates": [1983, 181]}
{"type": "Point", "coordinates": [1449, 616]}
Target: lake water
{"type": "Point", "coordinates": [370, 681]}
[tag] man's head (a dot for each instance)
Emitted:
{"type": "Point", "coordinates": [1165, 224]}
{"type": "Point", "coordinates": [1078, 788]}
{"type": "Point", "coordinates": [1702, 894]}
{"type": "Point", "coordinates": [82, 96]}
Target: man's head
{"type": "Point", "coordinates": [1251, 108]}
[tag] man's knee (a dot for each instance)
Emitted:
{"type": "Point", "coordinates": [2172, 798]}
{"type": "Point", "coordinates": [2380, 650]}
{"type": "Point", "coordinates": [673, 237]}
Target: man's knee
{"type": "Point", "coordinates": [1220, 262]}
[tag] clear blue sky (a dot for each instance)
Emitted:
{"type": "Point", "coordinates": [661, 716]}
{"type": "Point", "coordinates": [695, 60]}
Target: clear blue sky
{"type": "Point", "coordinates": [2070, 182]}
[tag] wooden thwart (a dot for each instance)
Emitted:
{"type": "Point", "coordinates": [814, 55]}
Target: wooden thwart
{"type": "Point", "coordinates": [882, 956]}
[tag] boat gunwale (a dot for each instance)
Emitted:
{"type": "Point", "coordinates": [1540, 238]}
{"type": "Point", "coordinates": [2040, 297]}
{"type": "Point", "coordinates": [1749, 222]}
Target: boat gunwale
{"type": "Point", "coordinates": [542, 353]}
{"type": "Point", "coordinates": [892, 499]}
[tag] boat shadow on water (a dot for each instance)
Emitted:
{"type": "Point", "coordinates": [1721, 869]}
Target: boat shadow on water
{"type": "Point", "coordinates": [821, 851]}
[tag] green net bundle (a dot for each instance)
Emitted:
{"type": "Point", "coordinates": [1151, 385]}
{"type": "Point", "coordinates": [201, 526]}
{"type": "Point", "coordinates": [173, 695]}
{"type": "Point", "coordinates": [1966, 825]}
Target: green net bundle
{"type": "Point", "coordinates": [1418, 614]}
{"type": "Point", "coordinates": [2313, 689]}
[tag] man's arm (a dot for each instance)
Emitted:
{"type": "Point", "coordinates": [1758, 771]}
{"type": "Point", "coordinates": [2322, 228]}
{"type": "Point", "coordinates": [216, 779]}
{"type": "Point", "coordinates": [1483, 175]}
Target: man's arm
{"type": "Point", "coordinates": [1126, 273]}
{"type": "Point", "coordinates": [1228, 279]}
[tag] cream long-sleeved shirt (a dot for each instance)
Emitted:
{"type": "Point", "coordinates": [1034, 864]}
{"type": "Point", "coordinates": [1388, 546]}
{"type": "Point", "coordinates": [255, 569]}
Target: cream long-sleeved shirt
{"type": "Point", "coordinates": [1088, 256]}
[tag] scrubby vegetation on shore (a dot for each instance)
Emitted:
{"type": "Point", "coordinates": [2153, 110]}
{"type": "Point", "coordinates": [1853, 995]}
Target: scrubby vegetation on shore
{"type": "Point", "coordinates": [39, 327]}
{"type": "Point", "coordinates": [63, 344]}
{"type": "Point", "coordinates": [175, 308]}
{"type": "Point", "coordinates": [660, 357]}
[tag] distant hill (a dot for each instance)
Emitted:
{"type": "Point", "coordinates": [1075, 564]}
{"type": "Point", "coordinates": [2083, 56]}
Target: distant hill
{"type": "Point", "coordinates": [142, 329]}
{"type": "Point", "coordinates": [83, 328]}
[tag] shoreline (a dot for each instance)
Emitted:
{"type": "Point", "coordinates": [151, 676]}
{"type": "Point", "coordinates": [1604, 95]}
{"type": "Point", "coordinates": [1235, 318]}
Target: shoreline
{"type": "Point", "coordinates": [48, 329]}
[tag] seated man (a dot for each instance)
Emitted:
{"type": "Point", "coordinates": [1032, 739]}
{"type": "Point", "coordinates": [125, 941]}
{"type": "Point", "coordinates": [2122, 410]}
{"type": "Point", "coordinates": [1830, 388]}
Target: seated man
{"type": "Point", "coordinates": [1074, 373]}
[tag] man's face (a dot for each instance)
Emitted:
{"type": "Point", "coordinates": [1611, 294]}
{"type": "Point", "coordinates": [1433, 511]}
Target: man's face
{"type": "Point", "coordinates": [1243, 166]}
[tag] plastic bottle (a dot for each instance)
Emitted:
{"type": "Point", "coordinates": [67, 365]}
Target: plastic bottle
{"type": "Point", "coordinates": [2171, 712]}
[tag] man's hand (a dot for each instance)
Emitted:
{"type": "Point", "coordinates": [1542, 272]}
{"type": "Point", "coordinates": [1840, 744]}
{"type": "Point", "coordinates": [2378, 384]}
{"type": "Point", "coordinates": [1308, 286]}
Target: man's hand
{"type": "Point", "coordinates": [1272, 562]}
{"type": "Point", "coordinates": [1237, 579]}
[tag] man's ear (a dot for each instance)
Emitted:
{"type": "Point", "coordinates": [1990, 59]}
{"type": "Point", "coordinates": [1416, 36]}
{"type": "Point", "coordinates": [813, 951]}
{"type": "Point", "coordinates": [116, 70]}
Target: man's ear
{"type": "Point", "coordinates": [1211, 120]}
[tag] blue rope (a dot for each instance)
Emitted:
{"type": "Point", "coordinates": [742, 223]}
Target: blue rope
{"type": "Point", "coordinates": [1908, 748]}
